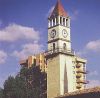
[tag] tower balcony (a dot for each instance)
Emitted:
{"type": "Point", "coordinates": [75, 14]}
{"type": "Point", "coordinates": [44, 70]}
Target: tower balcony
{"type": "Point", "coordinates": [78, 65]}
{"type": "Point", "coordinates": [82, 81]}
{"type": "Point", "coordinates": [23, 62]}
{"type": "Point", "coordinates": [80, 60]}
{"type": "Point", "coordinates": [82, 71]}
{"type": "Point", "coordinates": [79, 86]}
{"type": "Point", "coordinates": [56, 51]}
{"type": "Point", "coordinates": [78, 75]}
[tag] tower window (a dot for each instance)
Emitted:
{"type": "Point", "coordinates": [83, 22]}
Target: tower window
{"type": "Point", "coordinates": [57, 20]}
{"type": "Point", "coordinates": [34, 62]}
{"type": "Point", "coordinates": [64, 46]}
{"type": "Point", "coordinates": [53, 46]}
{"type": "Point", "coordinates": [60, 20]}
{"type": "Point", "coordinates": [53, 22]}
{"type": "Point", "coordinates": [64, 21]}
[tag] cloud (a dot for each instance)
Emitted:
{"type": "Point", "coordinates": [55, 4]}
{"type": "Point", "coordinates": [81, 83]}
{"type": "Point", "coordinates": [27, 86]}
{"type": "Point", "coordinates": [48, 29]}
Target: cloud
{"type": "Point", "coordinates": [3, 57]}
{"type": "Point", "coordinates": [81, 53]}
{"type": "Point", "coordinates": [74, 14]}
{"type": "Point", "coordinates": [93, 83]}
{"type": "Point", "coordinates": [93, 45]}
{"type": "Point", "coordinates": [14, 32]}
{"type": "Point", "coordinates": [50, 11]}
{"type": "Point", "coordinates": [93, 73]}
{"type": "Point", "coordinates": [28, 49]}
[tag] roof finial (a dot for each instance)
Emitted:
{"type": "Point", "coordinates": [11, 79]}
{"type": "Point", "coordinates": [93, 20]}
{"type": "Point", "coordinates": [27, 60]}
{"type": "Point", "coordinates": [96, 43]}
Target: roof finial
{"type": "Point", "coordinates": [58, 1]}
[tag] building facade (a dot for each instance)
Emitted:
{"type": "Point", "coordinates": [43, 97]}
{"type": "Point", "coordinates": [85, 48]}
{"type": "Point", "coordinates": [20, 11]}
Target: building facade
{"type": "Point", "coordinates": [37, 60]}
{"type": "Point", "coordinates": [66, 72]}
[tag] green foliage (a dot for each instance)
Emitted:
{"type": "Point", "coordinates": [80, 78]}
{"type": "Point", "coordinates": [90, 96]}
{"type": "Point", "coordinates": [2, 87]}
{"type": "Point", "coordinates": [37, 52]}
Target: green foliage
{"type": "Point", "coordinates": [29, 83]}
{"type": "Point", "coordinates": [9, 88]}
{"type": "Point", "coordinates": [1, 93]}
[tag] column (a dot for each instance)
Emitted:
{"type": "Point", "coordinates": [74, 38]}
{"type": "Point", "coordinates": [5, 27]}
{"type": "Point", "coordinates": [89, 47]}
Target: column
{"type": "Point", "coordinates": [68, 22]}
{"type": "Point", "coordinates": [58, 19]}
{"type": "Point", "coordinates": [65, 22]}
{"type": "Point", "coordinates": [62, 21]}
{"type": "Point", "coordinates": [48, 23]}
{"type": "Point", "coordinates": [52, 22]}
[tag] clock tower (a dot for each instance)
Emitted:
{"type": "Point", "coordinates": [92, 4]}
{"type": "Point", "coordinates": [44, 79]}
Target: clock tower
{"type": "Point", "coordinates": [59, 29]}
{"type": "Point", "coordinates": [61, 60]}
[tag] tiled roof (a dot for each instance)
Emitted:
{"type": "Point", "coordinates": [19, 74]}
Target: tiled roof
{"type": "Point", "coordinates": [59, 10]}
{"type": "Point", "coordinates": [86, 91]}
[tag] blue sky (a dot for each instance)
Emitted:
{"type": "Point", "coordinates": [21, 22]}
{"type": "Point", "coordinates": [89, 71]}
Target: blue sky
{"type": "Point", "coordinates": [23, 32]}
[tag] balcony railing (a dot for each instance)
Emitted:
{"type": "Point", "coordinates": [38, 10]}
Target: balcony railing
{"type": "Point", "coordinates": [78, 65]}
{"type": "Point", "coordinates": [82, 71]}
{"type": "Point", "coordinates": [78, 75]}
{"type": "Point", "coordinates": [78, 86]}
{"type": "Point", "coordinates": [23, 62]}
{"type": "Point", "coordinates": [82, 81]}
{"type": "Point", "coordinates": [59, 50]}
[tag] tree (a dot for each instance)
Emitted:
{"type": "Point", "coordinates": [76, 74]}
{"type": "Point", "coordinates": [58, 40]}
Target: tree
{"type": "Point", "coordinates": [14, 87]}
{"type": "Point", "coordinates": [29, 83]}
{"type": "Point", "coordinates": [36, 82]}
{"type": "Point", "coordinates": [9, 88]}
{"type": "Point", "coordinates": [32, 81]}
{"type": "Point", "coordinates": [20, 87]}
{"type": "Point", "coordinates": [1, 93]}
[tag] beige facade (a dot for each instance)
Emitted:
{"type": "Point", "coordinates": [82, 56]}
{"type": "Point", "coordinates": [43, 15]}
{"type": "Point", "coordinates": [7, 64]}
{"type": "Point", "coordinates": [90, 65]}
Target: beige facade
{"type": "Point", "coordinates": [66, 72]}
{"type": "Point", "coordinates": [37, 60]}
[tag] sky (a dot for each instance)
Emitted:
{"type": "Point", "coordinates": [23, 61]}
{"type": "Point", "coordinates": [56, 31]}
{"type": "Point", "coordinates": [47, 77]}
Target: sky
{"type": "Point", "coordinates": [23, 32]}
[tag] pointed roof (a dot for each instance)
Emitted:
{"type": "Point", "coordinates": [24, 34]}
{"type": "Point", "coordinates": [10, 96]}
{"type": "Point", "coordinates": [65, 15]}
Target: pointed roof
{"type": "Point", "coordinates": [58, 10]}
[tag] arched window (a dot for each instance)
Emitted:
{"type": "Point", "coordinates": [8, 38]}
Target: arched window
{"type": "Point", "coordinates": [64, 46]}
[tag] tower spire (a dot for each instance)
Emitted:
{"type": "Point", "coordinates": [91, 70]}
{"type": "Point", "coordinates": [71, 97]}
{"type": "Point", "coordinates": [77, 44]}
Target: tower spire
{"type": "Point", "coordinates": [59, 10]}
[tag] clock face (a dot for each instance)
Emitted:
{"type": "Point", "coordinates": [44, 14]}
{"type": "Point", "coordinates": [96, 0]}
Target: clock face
{"type": "Point", "coordinates": [64, 33]}
{"type": "Point", "coordinates": [53, 33]}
